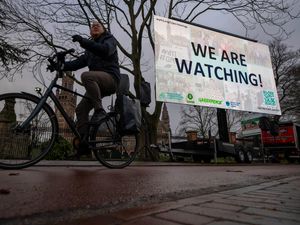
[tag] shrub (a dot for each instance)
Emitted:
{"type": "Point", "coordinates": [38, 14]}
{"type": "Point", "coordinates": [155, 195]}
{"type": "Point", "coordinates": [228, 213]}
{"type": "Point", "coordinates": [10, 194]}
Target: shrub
{"type": "Point", "coordinates": [61, 150]}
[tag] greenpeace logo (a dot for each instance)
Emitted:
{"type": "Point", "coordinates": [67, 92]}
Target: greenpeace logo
{"type": "Point", "coordinates": [210, 101]}
{"type": "Point", "coordinates": [190, 98]}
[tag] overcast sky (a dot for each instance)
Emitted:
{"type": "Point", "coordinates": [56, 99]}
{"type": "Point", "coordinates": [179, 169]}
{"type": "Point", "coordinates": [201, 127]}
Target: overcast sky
{"type": "Point", "coordinates": [219, 21]}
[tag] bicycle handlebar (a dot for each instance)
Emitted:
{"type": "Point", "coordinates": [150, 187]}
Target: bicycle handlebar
{"type": "Point", "coordinates": [61, 55]}
{"type": "Point", "coordinates": [57, 60]}
{"type": "Point", "coordinates": [64, 53]}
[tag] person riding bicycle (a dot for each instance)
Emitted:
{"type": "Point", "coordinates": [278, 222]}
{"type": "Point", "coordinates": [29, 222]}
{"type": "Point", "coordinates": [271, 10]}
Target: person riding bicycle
{"type": "Point", "coordinates": [101, 80]}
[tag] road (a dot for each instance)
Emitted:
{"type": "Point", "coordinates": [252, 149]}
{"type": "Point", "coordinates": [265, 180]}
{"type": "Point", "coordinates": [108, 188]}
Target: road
{"type": "Point", "coordinates": [49, 194]}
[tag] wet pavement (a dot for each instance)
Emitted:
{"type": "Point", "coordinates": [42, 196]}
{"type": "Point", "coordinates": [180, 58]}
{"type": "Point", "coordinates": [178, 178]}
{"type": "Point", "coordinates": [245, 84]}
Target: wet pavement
{"type": "Point", "coordinates": [86, 193]}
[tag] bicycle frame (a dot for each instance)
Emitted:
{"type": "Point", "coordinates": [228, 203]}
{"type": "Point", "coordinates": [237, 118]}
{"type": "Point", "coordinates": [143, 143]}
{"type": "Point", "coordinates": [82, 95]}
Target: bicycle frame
{"type": "Point", "coordinates": [43, 100]}
{"type": "Point", "coordinates": [49, 93]}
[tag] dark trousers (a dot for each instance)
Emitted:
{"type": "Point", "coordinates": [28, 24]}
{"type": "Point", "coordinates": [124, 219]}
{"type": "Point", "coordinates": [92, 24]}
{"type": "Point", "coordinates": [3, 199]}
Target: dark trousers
{"type": "Point", "coordinates": [97, 84]}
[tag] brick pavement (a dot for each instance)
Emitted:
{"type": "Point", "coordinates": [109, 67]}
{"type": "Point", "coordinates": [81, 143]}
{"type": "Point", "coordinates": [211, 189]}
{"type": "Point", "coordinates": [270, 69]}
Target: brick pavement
{"type": "Point", "coordinates": [271, 203]}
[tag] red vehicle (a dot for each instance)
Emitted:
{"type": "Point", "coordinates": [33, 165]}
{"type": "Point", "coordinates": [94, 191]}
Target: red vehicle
{"type": "Point", "coordinates": [283, 145]}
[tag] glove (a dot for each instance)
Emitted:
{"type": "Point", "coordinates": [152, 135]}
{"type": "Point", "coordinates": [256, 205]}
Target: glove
{"type": "Point", "coordinates": [76, 38]}
{"type": "Point", "coordinates": [53, 67]}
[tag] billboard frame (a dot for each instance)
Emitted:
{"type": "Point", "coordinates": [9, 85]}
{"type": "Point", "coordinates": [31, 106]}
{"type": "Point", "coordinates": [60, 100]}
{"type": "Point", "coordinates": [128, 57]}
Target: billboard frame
{"type": "Point", "coordinates": [267, 100]}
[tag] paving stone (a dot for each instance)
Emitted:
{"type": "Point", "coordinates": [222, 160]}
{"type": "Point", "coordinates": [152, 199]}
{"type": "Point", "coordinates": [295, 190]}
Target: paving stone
{"type": "Point", "coordinates": [240, 198]}
{"type": "Point", "coordinates": [241, 190]}
{"type": "Point", "coordinates": [267, 191]}
{"type": "Point", "coordinates": [272, 213]}
{"type": "Point", "coordinates": [291, 202]}
{"type": "Point", "coordinates": [228, 207]}
{"type": "Point", "coordinates": [194, 200]}
{"type": "Point", "coordinates": [259, 205]}
{"type": "Point", "coordinates": [263, 198]}
{"type": "Point", "coordinates": [217, 195]}
{"type": "Point", "coordinates": [263, 193]}
{"type": "Point", "coordinates": [201, 199]}
{"type": "Point", "coordinates": [281, 190]}
{"type": "Point", "coordinates": [295, 196]}
{"type": "Point", "coordinates": [150, 221]}
{"type": "Point", "coordinates": [237, 216]}
{"type": "Point", "coordinates": [288, 200]}
{"type": "Point", "coordinates": [295, 205]}
{"type": "Point", "coordinates": [183, 217]}
{"type": "Point", "coordinates": [103, 220]}
{"type": "Point", "coordinates": [291, 198]}
{"type": "Point", "coordinates": [265, 185]}
{"type": "Point", "coordinates": [133, 213]}
{"type": "Point", "coordinates": [224, 222]}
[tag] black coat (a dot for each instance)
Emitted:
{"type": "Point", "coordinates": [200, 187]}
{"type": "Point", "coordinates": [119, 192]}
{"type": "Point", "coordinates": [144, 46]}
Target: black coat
{"type": "Point", "coordinates": [100, 55]}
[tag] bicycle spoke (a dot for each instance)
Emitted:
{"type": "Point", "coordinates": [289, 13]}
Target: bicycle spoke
{"type": "Point", "coordinates": [22, 147]}
{"type": "Point", "coordinates": [112, 149]}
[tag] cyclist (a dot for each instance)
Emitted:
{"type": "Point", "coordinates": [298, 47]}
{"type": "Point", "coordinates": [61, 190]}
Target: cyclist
{"type": "Point", "coordinates": [101, 80]}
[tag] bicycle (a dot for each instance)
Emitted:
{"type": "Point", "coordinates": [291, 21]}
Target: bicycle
{"type": "Point", "coordinates": [29, 128]}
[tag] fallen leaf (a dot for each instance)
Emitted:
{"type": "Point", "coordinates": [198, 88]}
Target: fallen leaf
{"type": "Point", "coordinates": [13, 174]}
{"type": "Point", "coordinates": [4, 192]}
{"type": "Point", "coordinates": [235, 171]}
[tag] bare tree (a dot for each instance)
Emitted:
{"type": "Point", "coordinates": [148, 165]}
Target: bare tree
{"type": "Point", "coordinates": [286, 67]}
{"type": "Point", "coordinates": [204, 120]}
{"type": "Point", "coordinates": [269, 15]}
{"type": "Point", "coordinates": [200, 119]}
{"type": "Point", "coordinates": [9, 54]}
{"type": "Point", "coordinates": [234, 119]}
{"type": "Point", "coordinates": [45, 26]}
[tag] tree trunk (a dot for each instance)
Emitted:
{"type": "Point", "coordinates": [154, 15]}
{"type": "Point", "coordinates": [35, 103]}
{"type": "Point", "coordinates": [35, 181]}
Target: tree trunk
{"type": "Point", "coordinates": [149, 134]}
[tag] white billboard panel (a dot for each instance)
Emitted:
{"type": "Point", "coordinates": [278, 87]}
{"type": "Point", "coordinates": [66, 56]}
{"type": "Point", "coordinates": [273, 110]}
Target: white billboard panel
{"type": "Point", "coordinates": [199, 66]}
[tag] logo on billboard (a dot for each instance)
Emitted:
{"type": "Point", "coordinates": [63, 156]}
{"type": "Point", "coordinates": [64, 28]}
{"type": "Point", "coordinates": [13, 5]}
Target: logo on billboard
{"type": "Point", "coordinates": [232, 104]}
{"type": "Point", "coordinates": [210, 101]}
{"type": "Point", "coordinates": [190, 98]}
{"type": "Point", "coordinates": [269, 98]}
{"type": "Point", "coordinates": [170, 96]}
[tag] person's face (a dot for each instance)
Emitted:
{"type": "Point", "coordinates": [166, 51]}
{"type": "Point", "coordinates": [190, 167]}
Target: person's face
{"type": "Point", "coordinates": [96, 29]}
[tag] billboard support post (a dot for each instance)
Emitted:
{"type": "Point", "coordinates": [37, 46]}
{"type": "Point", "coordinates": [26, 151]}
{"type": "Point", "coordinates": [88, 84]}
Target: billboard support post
{"type": "Point", "coordinates": [222, 125]}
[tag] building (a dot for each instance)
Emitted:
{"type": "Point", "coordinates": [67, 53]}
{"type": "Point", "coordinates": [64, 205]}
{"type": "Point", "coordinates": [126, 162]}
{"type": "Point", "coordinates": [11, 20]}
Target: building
{"type": "Point", "coordinates": [68, 101]}
{"type": "Point", "coordinates": [163, 127]}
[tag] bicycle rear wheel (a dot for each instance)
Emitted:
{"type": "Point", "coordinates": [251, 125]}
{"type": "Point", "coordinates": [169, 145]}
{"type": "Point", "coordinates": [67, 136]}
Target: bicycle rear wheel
{"type": "Point", "coordinates": [112, 149]}
{"type": "Point", "coordinates": [23, 148]}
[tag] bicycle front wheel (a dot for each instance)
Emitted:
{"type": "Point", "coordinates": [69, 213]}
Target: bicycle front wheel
{"type": "Point", "coordinates": [112, 149]}
{"type": "Point", "coordinates": [20, 148]}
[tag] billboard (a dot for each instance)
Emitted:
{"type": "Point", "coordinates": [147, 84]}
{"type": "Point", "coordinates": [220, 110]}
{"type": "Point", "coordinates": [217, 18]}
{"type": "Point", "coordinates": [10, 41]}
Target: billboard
{"type": "Point", "coordinates": [198, 66]}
